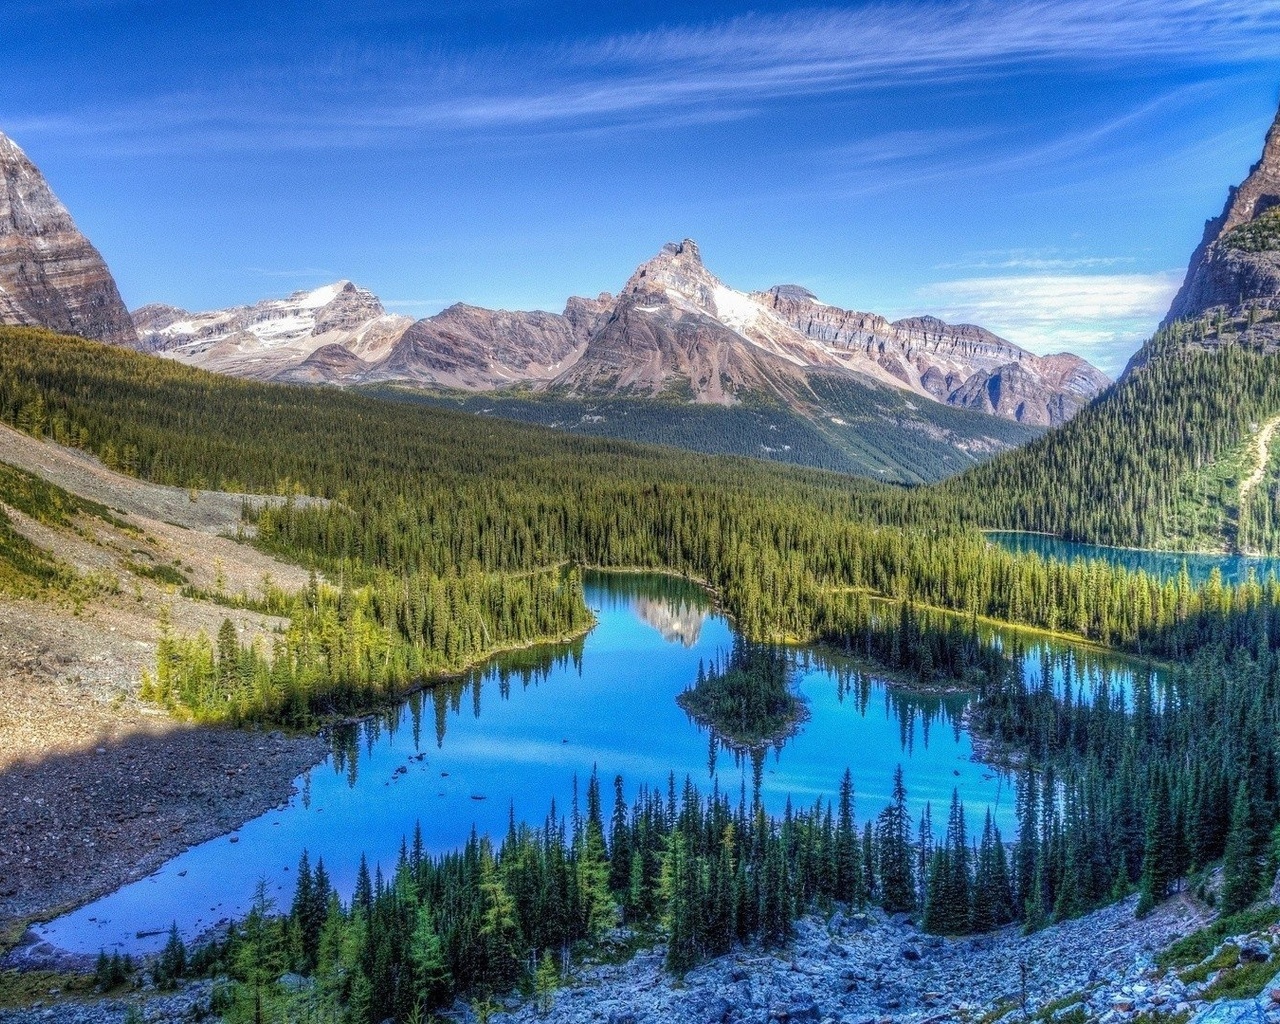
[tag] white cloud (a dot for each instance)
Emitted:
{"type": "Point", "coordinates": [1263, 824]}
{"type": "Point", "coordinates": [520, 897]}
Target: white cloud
{"type": "Point", "coordinates": [1102, 317]}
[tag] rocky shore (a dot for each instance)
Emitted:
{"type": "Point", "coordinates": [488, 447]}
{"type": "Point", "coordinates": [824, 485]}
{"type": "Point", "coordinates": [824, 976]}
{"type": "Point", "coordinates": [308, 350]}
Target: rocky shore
{"type": "Point", "coordinates": [865, 968]}
{"type": "Point", "coordinates": [869, 968]}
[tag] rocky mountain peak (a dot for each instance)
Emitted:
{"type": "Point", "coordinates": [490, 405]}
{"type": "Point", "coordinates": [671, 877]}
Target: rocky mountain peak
{"type": "Point", "coordinates": [50, 276]}
{"type": "Point", "coordinates": [1260, 191]}
{"type": "Point", "coordinates": [688, 249]}
{"type": "Point", "coordinates": [793, 292]}
{"type": "Point", "coordinates": [349, 307]}
{"type": "Point", "coordinates": [1224, 273]}
{"type": "Point", "coordinates": [676, 276]}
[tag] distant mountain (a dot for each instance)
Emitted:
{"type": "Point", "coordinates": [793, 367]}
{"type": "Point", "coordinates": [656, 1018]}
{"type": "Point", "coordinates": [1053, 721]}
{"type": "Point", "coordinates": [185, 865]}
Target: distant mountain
{"type": "Point", "coordinates": [50, 276]}
{"type": "Point", "coordinates": [677, 327]}
{"type": "Point", "coordinates": [328, 334]}
{"type": "Point", "coordinates": [675, 331]}
{"type": "Point", "coordinates": [1180, 453]}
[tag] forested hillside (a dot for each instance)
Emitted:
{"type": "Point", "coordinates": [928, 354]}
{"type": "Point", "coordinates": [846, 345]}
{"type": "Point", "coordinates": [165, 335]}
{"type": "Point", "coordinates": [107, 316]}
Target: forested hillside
{"type": "Point", "coordinates": [875, 432]}
{"type": "Point", "coordinates": [1156, 461]}
{"type": "Point", "coordinates": [446, 536]}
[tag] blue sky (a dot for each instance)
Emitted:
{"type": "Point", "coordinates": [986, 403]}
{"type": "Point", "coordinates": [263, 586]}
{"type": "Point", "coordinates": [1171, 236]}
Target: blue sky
{"type": "Point", "coordinates": [1041, 168]}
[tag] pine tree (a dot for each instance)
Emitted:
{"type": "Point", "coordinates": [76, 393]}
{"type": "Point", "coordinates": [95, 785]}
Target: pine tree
{"type": "Point", "coordinates": [1157, 856]}
{"type": "Point", "coordinates": [897, 885]}
{"type": "Point", "coordinates": [431, 977]}
{"type": "Point", "coordinates": [1240, 869]}
{"type": "Point", "coordinates": [849, 878]}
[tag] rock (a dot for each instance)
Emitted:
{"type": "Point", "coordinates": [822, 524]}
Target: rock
{"type": "Point", "coordinates": [50, 275]}
{"type": "Point", "coordinates": [1219, 275]}
{"type": "Point", "coordinates": [1231, 1011]}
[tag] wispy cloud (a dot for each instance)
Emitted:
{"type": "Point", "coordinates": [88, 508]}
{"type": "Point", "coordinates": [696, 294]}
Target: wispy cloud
{"type": "Point", "coordinates": [682, 74]}
{"type": "Point", "coordinates": [1035, 260]}
{"type": "Point", "coordinates": [1102, 317]}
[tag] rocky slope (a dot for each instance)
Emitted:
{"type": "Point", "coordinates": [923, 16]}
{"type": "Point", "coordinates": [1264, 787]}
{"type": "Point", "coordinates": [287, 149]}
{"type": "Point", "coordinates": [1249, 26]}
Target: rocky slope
{"type": "Point", "coordinates": [1233, 267]}
{"type": "Point", "coordinates": [50, 275]}
{"type": "Point", "coordinates": [480, 349]}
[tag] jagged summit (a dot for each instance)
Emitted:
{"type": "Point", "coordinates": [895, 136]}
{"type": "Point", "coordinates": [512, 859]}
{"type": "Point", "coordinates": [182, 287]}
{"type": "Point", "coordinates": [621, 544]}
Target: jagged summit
{"type": "Point", "coordinates": [676, 274]}
{"type": "Point", "coordinates": [50, 275]}
{"type": "Point", "coordinates": [275, 336]}
{"type": "Point", "coordinates": [1233, 267]}
{"type": "Point", "coordinates": [792, 291]}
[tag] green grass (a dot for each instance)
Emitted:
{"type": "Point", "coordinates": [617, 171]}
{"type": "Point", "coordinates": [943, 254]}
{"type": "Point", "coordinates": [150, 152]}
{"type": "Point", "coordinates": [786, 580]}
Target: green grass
{"type": "Point", "coordinates": [19, 989]}
{"type": "Point", "coordinates": [47, 503]}
{"type": "Point", "coordinates": [1199, 944]}
{"type": "Point", "coordinates": [1207, 501]}
{"type": "Point", "coordinates": [1226, 957]}
{"type": "Point", "coordinates": [1242, 982]}
{"type": "Point", "coordinates": [159, 572]}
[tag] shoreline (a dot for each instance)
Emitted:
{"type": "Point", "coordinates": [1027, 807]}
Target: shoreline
{"type": "Point", "coordinates": [229, 808]}
{"type": "Point", "coordinates": [233, 797]}
{"type": "Point", "coordinates": [1167, 552]}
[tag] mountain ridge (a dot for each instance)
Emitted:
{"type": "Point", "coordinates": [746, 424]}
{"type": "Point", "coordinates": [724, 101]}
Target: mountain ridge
{"type": "Point", "coordinates": [1174, 455]}
{"type": "Point", "coordinates": [871, 394]}
{"type": "Point", "coordinates": [674, 330]}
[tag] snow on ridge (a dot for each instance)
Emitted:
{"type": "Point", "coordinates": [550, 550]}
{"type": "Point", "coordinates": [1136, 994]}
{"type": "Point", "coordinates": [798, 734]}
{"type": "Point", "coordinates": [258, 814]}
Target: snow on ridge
{"type": "Point", "coordinates": [321, 296]}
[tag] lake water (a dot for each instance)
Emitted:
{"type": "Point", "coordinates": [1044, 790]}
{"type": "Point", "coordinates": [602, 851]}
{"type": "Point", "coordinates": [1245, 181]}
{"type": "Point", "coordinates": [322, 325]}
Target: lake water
{"type": "Point", "coordinates": [1165, 564]}
{"type": "Point", "coordinates": [512, 737]}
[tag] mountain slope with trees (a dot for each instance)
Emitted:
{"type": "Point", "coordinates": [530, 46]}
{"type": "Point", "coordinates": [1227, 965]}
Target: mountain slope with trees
{"type": "Point", "coordinates": [1164, 458]}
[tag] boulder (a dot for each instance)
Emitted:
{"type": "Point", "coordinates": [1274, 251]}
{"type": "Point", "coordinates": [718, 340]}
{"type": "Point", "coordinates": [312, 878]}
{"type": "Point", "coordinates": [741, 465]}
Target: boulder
{"type": "Point", "coordinates": [1231, 1011]}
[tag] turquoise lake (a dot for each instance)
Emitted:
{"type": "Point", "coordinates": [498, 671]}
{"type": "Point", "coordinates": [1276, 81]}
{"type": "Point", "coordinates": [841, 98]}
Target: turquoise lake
{"type": "Point", "coordinates": [1165, 564]}
{"type": "Point", "coordinates": [512, 737]}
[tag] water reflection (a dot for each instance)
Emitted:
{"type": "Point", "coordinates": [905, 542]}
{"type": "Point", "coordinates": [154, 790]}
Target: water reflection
{"type": "Point", "coordinates": [509, 740]}
{"type": "Point", "coordinates": [676, 621]}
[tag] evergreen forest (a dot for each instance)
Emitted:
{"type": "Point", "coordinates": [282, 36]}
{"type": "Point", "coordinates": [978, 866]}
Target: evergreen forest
{"type": "Point", "coordinates": [442, 537]}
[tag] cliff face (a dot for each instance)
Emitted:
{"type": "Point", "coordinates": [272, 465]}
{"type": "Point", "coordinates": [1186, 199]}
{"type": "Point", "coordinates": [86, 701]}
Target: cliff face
{"type": "Point", "coordinates": [1234, 266]}
{"type": "Point", "coordinates": [1231, 294]}
{"type": "Point", "coordinates": [50, 275]}
{"type": "Point", "coordinates": [957, 364]}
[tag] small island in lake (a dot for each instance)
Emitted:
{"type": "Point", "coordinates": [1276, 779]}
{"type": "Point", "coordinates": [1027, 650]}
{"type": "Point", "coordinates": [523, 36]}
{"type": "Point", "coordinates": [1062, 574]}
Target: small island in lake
{"type": "Point", "coordinates": [747, 700]}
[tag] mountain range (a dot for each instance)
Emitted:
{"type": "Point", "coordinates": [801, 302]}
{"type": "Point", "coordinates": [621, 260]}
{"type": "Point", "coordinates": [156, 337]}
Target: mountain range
{"type": "Point", "coordinates": [677, 356]}
{"type": "Point", "coordinates": [675, 330]}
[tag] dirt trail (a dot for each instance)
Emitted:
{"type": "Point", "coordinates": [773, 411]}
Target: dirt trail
{"type": "Point", "coordinates": [1264, 456]}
